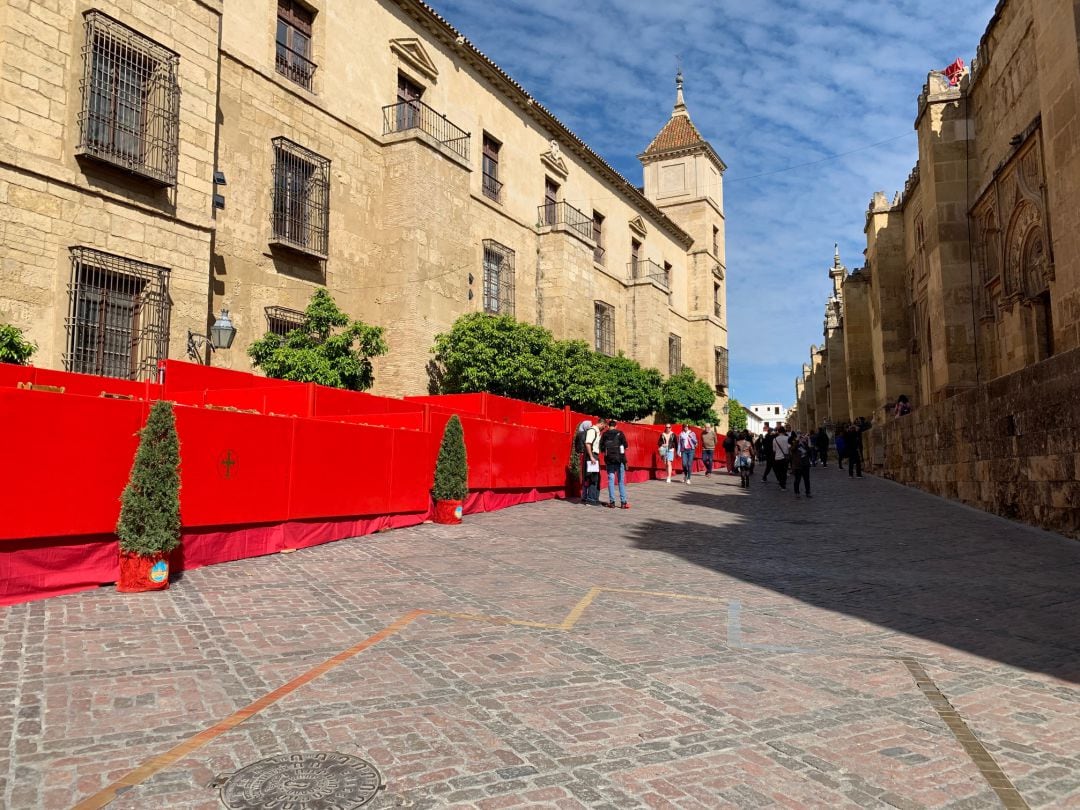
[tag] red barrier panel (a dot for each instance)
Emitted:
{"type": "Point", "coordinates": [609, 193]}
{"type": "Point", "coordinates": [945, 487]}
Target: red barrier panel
{"type": "Point", "coordinates": [67, 459]}
{"type": "Point", "coordinates": [289, 399]}
{"type": "Point", "coordinates": [234, 467]}
{"type": "Point", "coordinates": [11, 375]}
{"type": "Point", "coordinates": [181, 376]}
{"type": "Point", "coordinates": [330, 401]}
{"type": "Point", "coordinates": [461, 404]}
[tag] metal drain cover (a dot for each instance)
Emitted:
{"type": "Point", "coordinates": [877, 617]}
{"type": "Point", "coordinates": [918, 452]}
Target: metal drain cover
{"type": "Point", "coordinates": [319, 781]}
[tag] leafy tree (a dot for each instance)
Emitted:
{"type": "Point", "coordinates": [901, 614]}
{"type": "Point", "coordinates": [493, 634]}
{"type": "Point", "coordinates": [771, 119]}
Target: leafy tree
{"type": "Point", "coordinates": [499, 355]}
{"type": "Point", "coordinates": [150, 504]}
{"type": "Point", "coordinates": [634, 391]}
{"type": "Point", "coordinates": [14, 348]}
{"type": "Point", "coordinates": [736, 415]}
{"type": "Point", "coordinates": [452, 466]}
{"type": "Point", "coordinates": [685, 397]}
{"type": "Point", "coordinates": [326, 348]}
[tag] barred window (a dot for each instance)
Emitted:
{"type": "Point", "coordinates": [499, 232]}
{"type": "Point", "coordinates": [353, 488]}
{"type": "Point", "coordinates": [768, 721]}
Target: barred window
{"type": "Point", "coordinates": [598, 236]}
{"type": "Point", "coordinates": [118, 316]}
{"type": "Point", "coordinates": [498, 278]}
{"type": "Point", "coordinates": [490, 174]}
{"type": "Point", "coordinates": [674, 350]}
{"type": "Point", "coordinates": [301, 199]}
{"type": "Point", "coordinates": [293, 55]}
{"type": "Point", "coordinates": [282, 320]}
{"type": "Point", "coordinates": [721, 369]}
{"type": "Point", "coordinates": [604, 327]}
{"type": "Point", "coordinates": [130, 110]}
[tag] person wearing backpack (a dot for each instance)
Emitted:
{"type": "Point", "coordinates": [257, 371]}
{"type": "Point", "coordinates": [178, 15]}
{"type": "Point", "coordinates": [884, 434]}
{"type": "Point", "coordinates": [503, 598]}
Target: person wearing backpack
{"type": "Point", "coordinates": [687, 445]}
{"type": "Point", "coordinates": [613, 446]}
{"type": "Point", "coordinates": [590, 454]}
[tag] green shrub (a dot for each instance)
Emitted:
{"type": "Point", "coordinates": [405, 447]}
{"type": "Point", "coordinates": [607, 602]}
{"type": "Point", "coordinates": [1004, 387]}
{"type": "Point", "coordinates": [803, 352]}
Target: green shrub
{"type": "Point", "coordinates": [452, 466]}
{"type": "Point", "coordinates": [326, 348]}
{"type": "Point", "coordinates": [686, 398]}
{"type": "Point", "coordinates": [14, 348]}
{"type": "Point", "coordinates": [150, 505]}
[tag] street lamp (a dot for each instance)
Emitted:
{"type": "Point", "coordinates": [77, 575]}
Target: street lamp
{"type": "Point", "coordinates": [222, 334]}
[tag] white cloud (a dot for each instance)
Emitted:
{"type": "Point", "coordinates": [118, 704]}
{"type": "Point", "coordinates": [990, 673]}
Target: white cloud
{"type": "Point", "coordinates": [771, 85]}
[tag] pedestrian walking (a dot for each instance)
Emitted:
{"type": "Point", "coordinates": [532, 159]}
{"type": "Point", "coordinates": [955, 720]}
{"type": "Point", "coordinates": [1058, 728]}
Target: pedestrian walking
{"type": "Point", "coordinates": [841, 447]}
{"type": "Point", "coordinates": [708, 447]}
{"type": "Point", "coordinates": [822, 442]}
{"type": "Point", "coordinates": [770, 454]}
{"type": "Point", "coordinates": [781, 456]}
{"type": "Point", "coordinates": [903, 407]}
{"type": "Point", "coordinates": [854, 446]}
{"type": "Point", "coordinates": [730, 440]}
{"type": "Point", "coordinates": [744, 459]}
{"type": "Point", "coordinates": [613, 446]}
{"type": "Point", "coordinates": [800, 462]}
{"type": "Point", "coordinates": [665, 446]}
{"type": "Point", "coordinates": [688, 443]}
{"type": "Point", "coordinates": [591, 491]}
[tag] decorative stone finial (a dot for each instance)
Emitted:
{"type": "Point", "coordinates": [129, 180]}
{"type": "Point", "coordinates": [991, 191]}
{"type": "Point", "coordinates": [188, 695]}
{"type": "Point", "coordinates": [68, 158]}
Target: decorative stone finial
{"type": "Point", "coordinates": [836, 254]}
{"type": "Point", "coordinates": [680, 103]}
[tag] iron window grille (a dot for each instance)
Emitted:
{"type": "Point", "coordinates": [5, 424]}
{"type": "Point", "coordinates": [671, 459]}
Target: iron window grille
{"type": "Point", "coordinates": [604, 327]}
{"type": "Point", "coordinates": [415, 114]}
{"type": "Point", "coordinates": [118, 316]}
{"type": "Point", "coordinates": [300, 217]}
{"type": "Point", "coordinates": [498, 278]}
{"type": "Point", "coordinates": [674, 348]}
{"type": "Point", "coordinates": [721, 369]}
{"type": "Point", "coordinates": [490, 174]}
{"type": "Point", "coordinates": [557, 212]}
{"type": "Point", "coordinates": [130, 113]}
{"type": "Point", "coordinates": [282, 320]}
{"type": "Point", "coordinates": [293, 55]}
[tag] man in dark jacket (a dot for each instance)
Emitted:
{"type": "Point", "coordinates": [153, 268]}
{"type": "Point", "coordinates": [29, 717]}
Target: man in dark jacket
{"type": "Point", "coordinates": [853, 446]}
{"type": "Point", "coordinates": [613, 447]}
{"type": "Point", "coordinates": [770, 452]}
{"type": "Point", "coordinates": [822, 442]}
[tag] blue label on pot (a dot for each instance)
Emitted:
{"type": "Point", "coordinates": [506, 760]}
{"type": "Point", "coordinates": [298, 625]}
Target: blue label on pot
{"type": "Point", "coordinates": [457, 512]}
{"type": "Point", "coordinates": [159, 572]}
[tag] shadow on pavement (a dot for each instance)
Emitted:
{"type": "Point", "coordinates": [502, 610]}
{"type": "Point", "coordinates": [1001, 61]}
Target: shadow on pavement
{"type": "Point", "coordinates": [902, 560]}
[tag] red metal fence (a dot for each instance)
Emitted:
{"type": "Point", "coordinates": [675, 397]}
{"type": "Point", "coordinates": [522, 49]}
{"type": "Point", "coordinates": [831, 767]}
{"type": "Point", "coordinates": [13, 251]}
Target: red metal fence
{"type": "Point", "coordinates": [266, 465]}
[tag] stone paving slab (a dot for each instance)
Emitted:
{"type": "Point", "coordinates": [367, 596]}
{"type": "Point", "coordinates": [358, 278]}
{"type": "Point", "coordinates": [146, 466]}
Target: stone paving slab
{"type": "Point", "coordinates": [711, 647]}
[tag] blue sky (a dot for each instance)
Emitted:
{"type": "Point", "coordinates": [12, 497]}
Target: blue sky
{"type": "Point", "coordinates": [771, 84]}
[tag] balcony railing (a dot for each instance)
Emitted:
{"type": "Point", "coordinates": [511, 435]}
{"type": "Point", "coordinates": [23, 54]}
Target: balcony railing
{"type": "Point", "coordinates": [406, 115]}
{"type": "Point", "coordinates": [648, 269]}
{"type": "Point", "coordinates": [598, 254]}
{"type": "Point", "coordinates": [294, 67]}
{"type": "Point", "coordinates": [492, 188]}
{"type": "Point", "coordinates": [562, 213]}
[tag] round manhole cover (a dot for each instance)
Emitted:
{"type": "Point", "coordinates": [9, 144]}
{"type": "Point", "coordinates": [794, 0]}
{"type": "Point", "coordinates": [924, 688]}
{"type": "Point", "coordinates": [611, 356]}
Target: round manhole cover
{"type": "Point", "coordinates": [320, 781]}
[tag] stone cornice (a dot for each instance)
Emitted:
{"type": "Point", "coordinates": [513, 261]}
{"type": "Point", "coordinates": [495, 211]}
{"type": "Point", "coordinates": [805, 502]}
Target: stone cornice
{"type": "Point", "coordinates": [449, 36]}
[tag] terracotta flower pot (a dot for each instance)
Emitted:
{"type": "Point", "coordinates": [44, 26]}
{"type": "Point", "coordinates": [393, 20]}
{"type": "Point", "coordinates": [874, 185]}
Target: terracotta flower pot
{"type": "Point", "coordinates": [138, 573]}
{"type": "Point", "coordinates": [448, 512]}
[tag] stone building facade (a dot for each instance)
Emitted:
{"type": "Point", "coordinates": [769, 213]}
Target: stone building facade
{"type": "Point", "coordinates": [400, 169]}
{"type": "Point", "coordinates": [969, 300]}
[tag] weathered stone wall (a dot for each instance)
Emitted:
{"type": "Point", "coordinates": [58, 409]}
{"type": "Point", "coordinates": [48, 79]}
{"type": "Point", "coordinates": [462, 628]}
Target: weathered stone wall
{"type": "Point", "coordinates": [1010, 446]}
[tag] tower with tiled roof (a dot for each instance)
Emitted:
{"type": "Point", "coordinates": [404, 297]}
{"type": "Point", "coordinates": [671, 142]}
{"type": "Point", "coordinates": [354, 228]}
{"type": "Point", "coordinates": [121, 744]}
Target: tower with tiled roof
{"type": "Point", "coordinates": [684, 178]}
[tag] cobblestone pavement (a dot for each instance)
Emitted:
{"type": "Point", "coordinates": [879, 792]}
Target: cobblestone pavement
{"type": "Point", "coordinates": [711, 647]}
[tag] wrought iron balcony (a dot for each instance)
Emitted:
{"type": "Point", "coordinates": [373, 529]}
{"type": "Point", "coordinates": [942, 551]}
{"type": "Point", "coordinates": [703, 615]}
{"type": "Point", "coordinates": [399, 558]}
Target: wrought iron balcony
{"type": "Point", "coordinates": [648, 269]}
{"type": "Point", "coordinates": [492, 187]}
{"type": "Point", "coordinates": [598, 254]}
{"type": "Point", "coordinates": [562, 213]}
{"type": "Point", "coordinates": [415, 114]}
{"type": "Point", "coordinates": [294, 66]}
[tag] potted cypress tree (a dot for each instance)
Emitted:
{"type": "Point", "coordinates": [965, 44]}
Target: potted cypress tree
{"type": "Point", "coordinates": [149, 525]}
{"type": "Point", "coordinates": [451, 474]}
